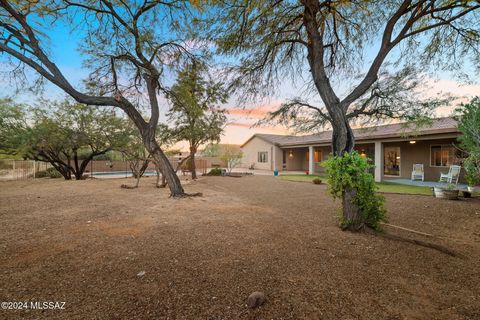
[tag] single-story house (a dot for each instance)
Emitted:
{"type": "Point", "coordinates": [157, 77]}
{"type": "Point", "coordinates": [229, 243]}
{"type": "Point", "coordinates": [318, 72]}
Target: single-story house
{"type": "Point", "coordinates": [394, 149]}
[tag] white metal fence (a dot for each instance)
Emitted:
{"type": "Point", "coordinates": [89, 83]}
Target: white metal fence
{"type": "Point", "coordinates": [28, 169]}
{"type": "Point", "coordinates": [21, 169]}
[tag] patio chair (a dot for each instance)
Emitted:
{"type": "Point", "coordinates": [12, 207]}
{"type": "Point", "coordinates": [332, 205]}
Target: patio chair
{"type": "Point", "coordinates": [452, 175]}
{"type": "Point", "coordinates": [417, 172]}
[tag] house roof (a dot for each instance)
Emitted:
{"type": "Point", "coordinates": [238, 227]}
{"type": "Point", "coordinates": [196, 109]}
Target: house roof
{"type": "Point", "coordinates": [397, 130]}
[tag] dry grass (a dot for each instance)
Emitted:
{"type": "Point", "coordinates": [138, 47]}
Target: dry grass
{"type": "Point", "coordinates": [85, 242]}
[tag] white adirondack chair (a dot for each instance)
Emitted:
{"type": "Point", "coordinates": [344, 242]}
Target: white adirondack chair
{"type": "Point", "coordinates": [417, 172]}
{"type": "Point", "coordinates": [452, 175]}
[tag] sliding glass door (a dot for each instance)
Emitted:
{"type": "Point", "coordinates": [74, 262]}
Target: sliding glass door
{"type": "Point", "coordinates": [391, 161]}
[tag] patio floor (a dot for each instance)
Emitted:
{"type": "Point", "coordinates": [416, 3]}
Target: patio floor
{"type": "Point", "coordinates": [421, 183]}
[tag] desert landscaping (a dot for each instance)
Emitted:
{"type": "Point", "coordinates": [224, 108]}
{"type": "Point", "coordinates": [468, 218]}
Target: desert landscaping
{"type": "Point", "coordinates": [113, 253]}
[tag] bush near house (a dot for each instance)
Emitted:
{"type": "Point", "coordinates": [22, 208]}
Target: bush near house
{"type": "Point", "coordinates": [351, 171]}
{"type": "Point", "coordinates": [215, 172]}
{"type": "Point", "coordinates": [49, 173]}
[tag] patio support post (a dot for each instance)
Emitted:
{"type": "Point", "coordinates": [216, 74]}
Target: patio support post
{"type": "Point", "coordinates": [378, 161]}
{"type": "Point", "coordinates": [310, 160]}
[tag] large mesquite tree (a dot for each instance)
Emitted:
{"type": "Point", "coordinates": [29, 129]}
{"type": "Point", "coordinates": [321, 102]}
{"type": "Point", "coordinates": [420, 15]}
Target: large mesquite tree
{"type": "Point", "coordinates": [335, 42]}
{"type": "Point", "coordinates": [129, 45]}
{"type": "Point", "coordinates": [69, 135]}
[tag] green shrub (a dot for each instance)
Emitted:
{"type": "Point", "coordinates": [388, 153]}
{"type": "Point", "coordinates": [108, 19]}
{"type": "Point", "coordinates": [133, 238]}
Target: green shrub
{"type": "Point", "coordinates": [49, 173]}
{"type": "Point", "coordinates": [352, 171]}
{"type": "Point", "coordinates": [215, 172]}
{"type": "Point", "coordinates": [317, 181]}
{"type": "Point", "coordinates": [472, 169]}
{"type": "Point", "coordinates": [187, 165]}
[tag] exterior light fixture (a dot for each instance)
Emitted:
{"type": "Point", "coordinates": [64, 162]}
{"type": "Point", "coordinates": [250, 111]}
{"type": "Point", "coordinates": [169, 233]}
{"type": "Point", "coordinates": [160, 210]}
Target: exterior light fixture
{"type": "Point", "coordinates": [412, 142]}
{"type": "Point", "coordinates": [363, 154]}
{"type": "Point", "coordinates": [290, 154]}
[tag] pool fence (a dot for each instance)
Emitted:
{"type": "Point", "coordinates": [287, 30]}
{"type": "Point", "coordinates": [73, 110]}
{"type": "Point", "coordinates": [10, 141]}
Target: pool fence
{"type": "Point", "coordinates": [29, 169]}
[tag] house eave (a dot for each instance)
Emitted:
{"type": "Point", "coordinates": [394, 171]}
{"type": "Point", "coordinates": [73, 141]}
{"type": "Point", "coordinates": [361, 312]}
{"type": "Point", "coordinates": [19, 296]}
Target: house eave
{"type": "Point", "coordinates": [433, 134]}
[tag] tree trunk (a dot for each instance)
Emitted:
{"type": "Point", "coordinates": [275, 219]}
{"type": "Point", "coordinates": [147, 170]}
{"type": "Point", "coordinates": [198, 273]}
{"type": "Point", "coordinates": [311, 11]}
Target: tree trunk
{"type": "Point", "coordinates": [137, 181]}
{"type": "Point", "coordinates": [138, 172]}
{"type": "Point", "coordinates": [164, 182]}
{"type": "Point", "coordinates": [352, 216]}
{"type": "Point", "coordinates": [64, 171]}
{"type": "Point", "coordinates": [176, 189]}
{"type": "Point", "coordinates": [68, 167]}
{"type": "Point", "coordinates": [76, 172]}
{"type": "Point", "coordinates": [342, 135]}
{"type": "Point", "coordinates": [344, 141]}
{"type": "Point", "coordinates": [192, 161]}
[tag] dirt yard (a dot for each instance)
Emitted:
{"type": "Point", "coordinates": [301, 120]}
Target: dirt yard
{"type": "Point", "coordinates": [87, 244]}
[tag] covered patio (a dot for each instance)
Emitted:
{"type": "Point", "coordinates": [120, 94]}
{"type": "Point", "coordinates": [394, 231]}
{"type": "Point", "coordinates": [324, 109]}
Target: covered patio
{"type": "Point", "coordinates": [394, 150]}
{"type": "Point", "coordinates": [419, 183]}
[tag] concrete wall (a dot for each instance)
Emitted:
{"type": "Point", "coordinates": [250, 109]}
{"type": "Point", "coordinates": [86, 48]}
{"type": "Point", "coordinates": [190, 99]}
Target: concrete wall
{"type": "Point", "coordinates": [256, 145]}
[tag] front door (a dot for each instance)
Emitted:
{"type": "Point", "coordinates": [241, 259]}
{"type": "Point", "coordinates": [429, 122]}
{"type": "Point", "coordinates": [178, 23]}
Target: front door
{"type": "Point", "coordinates": [391, 161]}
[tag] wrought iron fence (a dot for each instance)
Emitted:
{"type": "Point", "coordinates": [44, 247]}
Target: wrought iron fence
{"type": "Point", "coordinates": [29, 169]}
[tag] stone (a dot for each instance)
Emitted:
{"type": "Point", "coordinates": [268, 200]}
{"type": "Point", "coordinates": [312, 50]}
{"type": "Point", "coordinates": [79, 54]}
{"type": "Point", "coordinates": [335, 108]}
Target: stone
{"type": "Point", "coordinates": [256, 299]}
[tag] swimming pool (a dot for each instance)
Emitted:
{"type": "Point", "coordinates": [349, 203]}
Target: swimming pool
{"type": "Point", "coordinates": [120, 173]}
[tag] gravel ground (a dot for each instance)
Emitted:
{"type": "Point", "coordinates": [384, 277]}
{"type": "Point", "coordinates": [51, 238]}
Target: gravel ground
{"type": "Point", "coordinates": [112, 253]}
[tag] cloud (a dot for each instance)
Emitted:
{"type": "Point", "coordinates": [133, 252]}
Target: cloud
{"type": "Point", "coordinates": [461, 93]}
{"type": "Point", "coordinates": [452, 87]}
{"type": "Point", "coordinates": [239, 124]}
{"type": "Point", "coordinates": [255, 112]}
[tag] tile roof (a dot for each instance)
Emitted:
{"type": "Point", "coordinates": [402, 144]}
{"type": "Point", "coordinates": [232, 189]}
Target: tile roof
{"type": "Point", "coordinates": [397, 130]}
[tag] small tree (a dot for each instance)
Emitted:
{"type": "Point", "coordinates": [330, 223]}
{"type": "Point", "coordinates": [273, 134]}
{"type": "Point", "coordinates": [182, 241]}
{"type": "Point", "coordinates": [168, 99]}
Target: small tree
{"type": "Point", "coordinates": [468, 116]}
{"type": "Point", "coordinates": [211, 150]}
{"type": "Point", "coordinates": [232, 155]}
{"type": "Point", "coordinates": [194, 112]}
{"type": "Point", "coordinates": [135, 153]}
{"type": "Point", "coordinates": [70, 135]}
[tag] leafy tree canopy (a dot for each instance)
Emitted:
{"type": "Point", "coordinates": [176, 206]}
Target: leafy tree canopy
{"type": "Point", "coordinates": [13, 126]}
{"type": "Point", "coordinates": [68, 135]}
{"type": "Point", "coordinates": [468, 116]}
{"type": "Point", "coordinates": [365, 58]}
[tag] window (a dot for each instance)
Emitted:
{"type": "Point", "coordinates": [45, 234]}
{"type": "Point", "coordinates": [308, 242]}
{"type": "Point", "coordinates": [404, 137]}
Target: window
{"type": "Point", "coordinates": [263, 156]}
{"type": "Point", "coordinates": [442, 156]}
{"type": "Point", "coordinates": [317, 156]}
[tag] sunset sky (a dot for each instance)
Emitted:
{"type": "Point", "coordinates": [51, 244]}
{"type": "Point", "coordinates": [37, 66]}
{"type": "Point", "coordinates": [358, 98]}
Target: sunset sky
{"type": "Point", "coordinates": [240, 119]}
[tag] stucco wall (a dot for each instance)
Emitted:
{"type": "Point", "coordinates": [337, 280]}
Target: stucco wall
{"type": "Point", "coordinates": [299, 160]}
{"type": "Point", "coordinates": [296, 159]}
{"type": "Point", "coordinates": [409, 154]}
{"type": "Point", "coordinates": [278, 160]}
{"type": "Point", "coordinates": [420, 153]}
{"type": "Point", "coordinates": [251, 150]}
